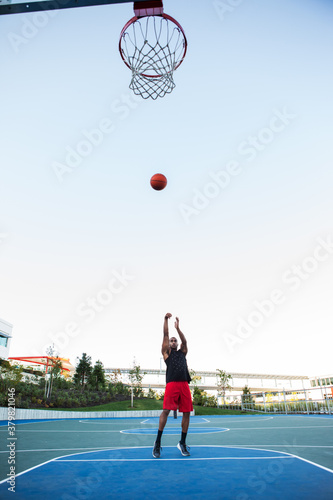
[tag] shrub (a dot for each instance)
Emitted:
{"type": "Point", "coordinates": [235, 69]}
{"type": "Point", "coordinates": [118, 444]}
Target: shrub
{"type": "Point", "coordinates": [211, 401]}
{"type": "Point", "coordinates": [198, 397]}
{"type": "Point", "coordinates": [74, 402]}
{"type": "Point", "coordinates": [60, 402]}
{"type": "Point", "coordinates": [25, 404]}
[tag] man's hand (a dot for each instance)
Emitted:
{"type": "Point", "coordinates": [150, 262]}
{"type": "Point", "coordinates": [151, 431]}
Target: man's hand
{"type": "Point", "coordinates": [166, 343]}
{"type": "Point", "coordinates": [183, 345]}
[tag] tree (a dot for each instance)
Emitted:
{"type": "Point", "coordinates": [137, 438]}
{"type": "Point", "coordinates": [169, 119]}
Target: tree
{"type": "Point", "coordinates": [10, 375]}
{"type": "Point", "coordinates": [197, 396]}
{"type": "Point", "coordinates": [223, 383]}
{"type": "Point", "coordinates": [201, 398]}
{"type": "Point", "coordinates": [195, 379]}
{"type": "Point", "coordinates": [136, 379]}
{"type": "Point", "coordinates": [97, 377]}
{"type": "Point", "coordinates": [115, 376]}
{"type": "Point", "coordinates": [54, 371]}
{"type": "Point", "coordinates": [83, 371]}
{"type": "Point", "coordinates": [269, 397]}
{"type": "Point", "coordinates": [151, 393]}
{"type": "Point", "coordinates": [247, 397]}
{"type": "Point", "coordinates": [116, 385]}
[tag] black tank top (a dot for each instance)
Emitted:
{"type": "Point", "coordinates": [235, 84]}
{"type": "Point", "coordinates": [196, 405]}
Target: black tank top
{"type": "Point", "coordinates": [177, 370]}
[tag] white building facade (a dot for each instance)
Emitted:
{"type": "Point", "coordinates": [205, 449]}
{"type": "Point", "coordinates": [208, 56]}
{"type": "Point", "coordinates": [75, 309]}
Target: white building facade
{"type": "Point", "coordinates": [5, 338]}
{"type": "Point", "coordinates": [155, 379]}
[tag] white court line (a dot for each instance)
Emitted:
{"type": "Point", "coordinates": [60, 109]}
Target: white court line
{"type": "Point", "coordinates": [282, 445]}
{"type": "Point", "coordinates": [53, 460]}
{"type": "Point", "coordinates": [192, 423]}
{"type": "Point", "coordinates": [97, 448]}
{"type": "Point", "coordinates": [312, 463]}
{"type": "Point", "coordinates": [283, 452]}
{"type": "Point", "coordinates": [256, 419]}
{"type": "Point", "coordinates": [69, 455]}
{"type": "Point", "coordinates": [236, 419]}
{"type": "Point", "coordinates": [178, 424]}
{"type": "Point", "coordinates": [28, 470]}
{"type": "Point", "coordinates": [63, 449]}
{"type": "Point", "coordinates": [188, 459]}
{"type": "Point", "coordinates": [293, 427]}
{"type": "Point", "coordinates": [51, 431]}
{"type": "Point", "coordinates": [288, 455]}
{"type": "Point", "coordinates": [100, 422]}
{"type": "Point", "coordinates": [202, 431]}
{"type": "Point", "coordinates": [17, 422]}
{"type": "Point", "coordinates": [318, 417]}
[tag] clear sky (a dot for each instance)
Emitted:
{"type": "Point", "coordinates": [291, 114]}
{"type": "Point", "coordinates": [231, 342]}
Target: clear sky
{"type": "Point", "coordinates": [240, 243]}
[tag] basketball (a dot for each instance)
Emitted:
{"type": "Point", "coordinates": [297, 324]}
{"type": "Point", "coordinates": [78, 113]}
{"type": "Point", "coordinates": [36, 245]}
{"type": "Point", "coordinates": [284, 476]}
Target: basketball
{"type": "Point", "coordinates": [158, 182]}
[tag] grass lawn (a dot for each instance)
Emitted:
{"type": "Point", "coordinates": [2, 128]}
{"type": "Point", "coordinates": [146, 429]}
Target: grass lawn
{"type": "Point", "coordinates": [150, 404]}
{"type": "Point", "coordinates": [139, 404]}
{"type": "Point", "coordinates": [206, 410]}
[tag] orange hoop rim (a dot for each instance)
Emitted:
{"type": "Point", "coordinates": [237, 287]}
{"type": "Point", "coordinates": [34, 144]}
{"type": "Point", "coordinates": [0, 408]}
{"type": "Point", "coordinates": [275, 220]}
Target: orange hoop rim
{"type": "Point", "coordinates": [168, 18]}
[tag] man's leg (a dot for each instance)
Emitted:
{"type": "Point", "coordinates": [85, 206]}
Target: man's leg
{"type": "Point", "coordinates": [185, 407]}
{"type": "Point", "coordinates": [182, 443]}
{"type": "Point", "coordinates": [185, 425]}
{"type": "Point", "coordinates": [163, 420]}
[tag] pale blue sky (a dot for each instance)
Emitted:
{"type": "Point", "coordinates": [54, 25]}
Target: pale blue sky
{"type": "Point", "coordinates": [254, 92]}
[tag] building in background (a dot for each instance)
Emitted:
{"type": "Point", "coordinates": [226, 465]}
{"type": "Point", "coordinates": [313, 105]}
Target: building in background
{"type": "Point", "coordinates": [268, 392]}
{"type": "Point", "coordinates": [5, 338]}
{"type": "Point", "coordinates": [325, 383]}
{"type": "Point", "coordinates": [155, 379]}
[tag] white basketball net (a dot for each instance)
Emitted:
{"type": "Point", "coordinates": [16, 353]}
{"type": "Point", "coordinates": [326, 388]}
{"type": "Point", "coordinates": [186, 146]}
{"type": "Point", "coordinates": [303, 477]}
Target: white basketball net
{"type": "Point", "coordinates": [153, 47]}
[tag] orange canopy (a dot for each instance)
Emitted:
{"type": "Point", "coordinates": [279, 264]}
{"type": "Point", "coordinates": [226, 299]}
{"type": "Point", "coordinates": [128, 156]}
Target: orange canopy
{"type": "Point", "coordinates": [47, 361]}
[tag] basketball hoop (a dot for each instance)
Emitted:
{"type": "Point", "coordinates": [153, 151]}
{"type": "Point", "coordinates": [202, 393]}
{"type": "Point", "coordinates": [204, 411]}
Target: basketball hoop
{"type": "Point", "coordinates": [152, 45]}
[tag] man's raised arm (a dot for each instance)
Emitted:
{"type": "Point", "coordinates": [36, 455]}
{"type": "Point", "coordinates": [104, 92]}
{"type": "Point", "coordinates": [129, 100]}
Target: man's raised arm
{"type": "Point", "coordinates": [166, 342]}
{"type": "Point", "coordinates": [183, 346]}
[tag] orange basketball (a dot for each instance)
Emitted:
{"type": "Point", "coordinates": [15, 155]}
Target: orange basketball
{"type": "Point", "coordinates": [158, 182]}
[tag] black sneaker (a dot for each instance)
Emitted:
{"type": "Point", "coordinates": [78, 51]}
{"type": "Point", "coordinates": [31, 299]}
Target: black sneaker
{"type": "Point", "coordinates": [184, 449]}
{"type": "Point", "coordinates": [157, 450]}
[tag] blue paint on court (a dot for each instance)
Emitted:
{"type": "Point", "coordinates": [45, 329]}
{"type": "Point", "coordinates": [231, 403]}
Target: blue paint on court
{"type": "Point", "coordinates": [29, 421]}
{"type": "Point", "coordinates": [175, 430]}
{"type": "Point", "coordinates": [214, 472]}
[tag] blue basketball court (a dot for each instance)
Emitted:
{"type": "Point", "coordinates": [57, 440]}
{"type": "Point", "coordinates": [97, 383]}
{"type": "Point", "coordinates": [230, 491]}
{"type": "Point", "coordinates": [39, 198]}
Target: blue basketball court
{"type": "Point", "coordinates": [238, 458]}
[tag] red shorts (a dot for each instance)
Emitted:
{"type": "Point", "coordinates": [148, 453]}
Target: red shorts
{"type": "Point", "coordinates": [177, 395]}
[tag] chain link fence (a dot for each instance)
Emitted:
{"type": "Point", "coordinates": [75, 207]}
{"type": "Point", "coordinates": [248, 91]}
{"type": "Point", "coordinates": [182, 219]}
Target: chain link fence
{"type": "Point", "coordinates": [317, 400]}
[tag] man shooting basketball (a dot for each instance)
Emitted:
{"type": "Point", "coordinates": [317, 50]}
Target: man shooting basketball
{"type": "Point", "coordinates": [177, 391]}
